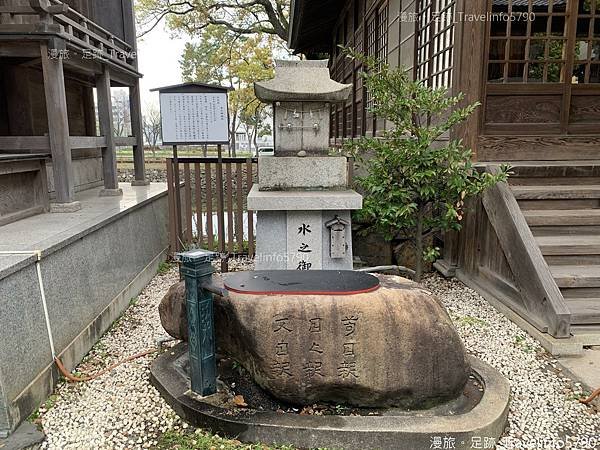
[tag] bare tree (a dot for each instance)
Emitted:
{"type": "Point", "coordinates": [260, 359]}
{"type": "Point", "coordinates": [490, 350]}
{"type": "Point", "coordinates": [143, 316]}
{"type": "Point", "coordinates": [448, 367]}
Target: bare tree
{"type": "Point", "coordinates": [151, 127]}
{"type": "Point", "coordinates": [121, 112]}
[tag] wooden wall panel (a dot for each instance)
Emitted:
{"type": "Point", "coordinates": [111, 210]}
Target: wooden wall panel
{"type": "Point", "coordinates": [523, 109]}
{"type": "Point", "coordinates": [531, 148]}
{"type": "Point", "coordinates": [18, 101]}
{"type": "Point", "coordinates": [3, 106]}
{"type": "Point", "coordinates": [585, 109]}
{"type": "Point", "coordinates": [25, 104]}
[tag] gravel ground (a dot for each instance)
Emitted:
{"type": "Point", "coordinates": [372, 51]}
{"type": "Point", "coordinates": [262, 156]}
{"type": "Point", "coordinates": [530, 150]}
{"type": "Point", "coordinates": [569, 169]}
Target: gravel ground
{"type": "Point", "coordinates": [122, 410]}
{"type": "Point", "coordinates": [544, 412]}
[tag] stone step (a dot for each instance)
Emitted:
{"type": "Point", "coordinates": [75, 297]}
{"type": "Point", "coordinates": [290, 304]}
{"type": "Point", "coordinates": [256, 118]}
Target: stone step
{"type": "Point", "coordinates": [576, 276]}
{"type": "Point", "coordinates": [560, 192]}
{"type": "Point", "coordinates": [569, 245]}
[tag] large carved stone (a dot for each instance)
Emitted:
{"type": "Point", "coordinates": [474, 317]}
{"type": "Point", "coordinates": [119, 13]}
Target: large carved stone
{"type": "Point", "coordinates": [173, 313]}
{"type": "Point", "coordinates": [392, 347]}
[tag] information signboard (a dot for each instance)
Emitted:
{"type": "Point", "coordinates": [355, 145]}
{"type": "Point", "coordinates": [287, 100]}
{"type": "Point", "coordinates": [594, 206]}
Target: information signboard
{"type": "Point", "coordinates": [194, 118]}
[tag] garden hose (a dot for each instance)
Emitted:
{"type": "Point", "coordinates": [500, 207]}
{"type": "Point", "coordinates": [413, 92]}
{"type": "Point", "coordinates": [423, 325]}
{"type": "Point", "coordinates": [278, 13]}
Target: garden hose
{"type": "Point", "coordinates": [590, 399]}
{"type": "Point", "coordinates": [72, 378]}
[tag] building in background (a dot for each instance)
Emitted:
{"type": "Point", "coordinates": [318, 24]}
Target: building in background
{"type": "Point", "coordinates": [534, 65]}
{"type": "Point", "coordinates": [75, 245]}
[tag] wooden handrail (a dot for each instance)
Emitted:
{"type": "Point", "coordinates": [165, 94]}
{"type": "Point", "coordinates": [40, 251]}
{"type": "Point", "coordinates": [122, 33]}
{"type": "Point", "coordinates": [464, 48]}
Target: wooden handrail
{"type": "Point", "coordinates": [540, 293]}
{"type": "Point", "coordinates": [94, 37]}
{"type": "Point", "coordinates": [94, 24]}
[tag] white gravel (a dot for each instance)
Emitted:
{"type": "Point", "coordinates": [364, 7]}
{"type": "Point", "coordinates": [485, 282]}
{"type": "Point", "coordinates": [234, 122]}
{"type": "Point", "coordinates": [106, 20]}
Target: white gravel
{"type": "Point", "coordinates": [121, 410]}
{"type": "Point", "coordinates": [544, 412]}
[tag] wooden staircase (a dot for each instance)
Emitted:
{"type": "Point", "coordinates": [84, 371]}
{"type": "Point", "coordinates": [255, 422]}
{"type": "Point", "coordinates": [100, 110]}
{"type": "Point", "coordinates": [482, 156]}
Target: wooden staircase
{"type": "Point", "coordinates": [561, 204]}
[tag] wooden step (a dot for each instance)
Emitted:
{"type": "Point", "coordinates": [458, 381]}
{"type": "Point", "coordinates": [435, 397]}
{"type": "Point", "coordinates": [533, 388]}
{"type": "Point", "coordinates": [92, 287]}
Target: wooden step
{"type": "Point", "coordinates": [572, 260]}
{"type": "Point", "coordinates": [576, 276]}
{"type": "Point", "coordinates": [555, 169]}
{"type": "Point", "coordinates": [560, 192]}
{"type": "Point", "coordinates": [552, 181]}
{"type": "Point", "coordinates": [584, 311]}
{"type": "Point", "coordinates": [566, 230]}
{"type": "Point", "coordinates": [553, 204]}
{"type": "Point", "coordinates": [560, 217]}
{"type": "Point", "coordinates": [569, 245]}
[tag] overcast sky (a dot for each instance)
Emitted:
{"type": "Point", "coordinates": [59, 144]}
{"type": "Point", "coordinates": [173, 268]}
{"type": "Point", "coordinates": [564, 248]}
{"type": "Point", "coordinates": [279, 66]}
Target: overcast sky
{"type": "Point", "coordinates": [159, 56]}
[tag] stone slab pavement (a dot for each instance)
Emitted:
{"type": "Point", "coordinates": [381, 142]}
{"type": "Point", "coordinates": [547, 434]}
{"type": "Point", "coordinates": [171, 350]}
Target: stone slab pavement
{"type": "Point", "coordinates": [26, 437]}
{"type": "Point", "coordinates": [584, 368]}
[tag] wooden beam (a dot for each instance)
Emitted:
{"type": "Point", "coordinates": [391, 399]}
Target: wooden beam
{"type": "Point", "coordinates": [58, 126]}
{"type": "Point", "coordinates": [87, 142]}
{"type": "Point", "coordinates": [125, 141]}
{"type": "Point", "coordinates": [30, 143]}
{"type": "Point", "coordinates": [21, 49]}
{"type": "Point", "coordinates": [539, 291]}
{"type": "Point", "coordinates": [135, 107]}
{"type": "Point", "coordinates": [109, 154]}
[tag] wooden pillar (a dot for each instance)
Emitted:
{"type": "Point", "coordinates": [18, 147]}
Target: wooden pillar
{"type": "Point", "coordinates": [58, 132]}
{"type": "Point", "coordinates": [135, 109]}
{"type": "Point", "coordinates": [109, 153]}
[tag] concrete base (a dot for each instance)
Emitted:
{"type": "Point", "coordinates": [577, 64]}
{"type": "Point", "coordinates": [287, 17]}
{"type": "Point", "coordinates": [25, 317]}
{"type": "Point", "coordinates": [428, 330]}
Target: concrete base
{"type": "Point", "coordinates": [93, 263]}
{"type": "Point", "coordinates": [65, 207]}
{"type": "Point", "coordinates": [584, 368]}
{"type": "Point", "coordinates": [589, 335]}
{"type": "Point", "coordinates": [140, 182]}
{"type": "Point", "coordinates": [26, 437]}
{"type": "Point", "coordinates": [445, 268]}
{"type": "Point", "coordinates": [111, 192]}
{"type": "Point", "coordinates": [402, 431]}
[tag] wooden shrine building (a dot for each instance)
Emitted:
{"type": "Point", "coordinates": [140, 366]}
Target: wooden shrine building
{"type": "Point", "coordinates": [533, 246]}
{"type": "Point", "coordinates": [52, 56]}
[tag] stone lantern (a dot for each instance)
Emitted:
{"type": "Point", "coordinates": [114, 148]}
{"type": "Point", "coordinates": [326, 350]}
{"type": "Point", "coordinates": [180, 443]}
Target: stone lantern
{"type": "Point", "coordinates": [302, 197]}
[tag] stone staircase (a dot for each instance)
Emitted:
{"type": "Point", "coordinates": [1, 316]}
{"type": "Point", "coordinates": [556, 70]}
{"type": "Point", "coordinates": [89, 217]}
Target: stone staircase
{"type": "Point", "coordinates": [561, 203]}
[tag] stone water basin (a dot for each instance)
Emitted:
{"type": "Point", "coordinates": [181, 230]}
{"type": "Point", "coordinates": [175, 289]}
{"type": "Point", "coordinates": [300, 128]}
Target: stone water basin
{"type": "Point", "coordinates": [387, 361]}
{"type": "Point", "coordinates": [342, 337]}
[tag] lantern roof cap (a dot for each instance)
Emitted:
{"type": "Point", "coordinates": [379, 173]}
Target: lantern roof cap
{"type": "Point", "coordinates": [302, 81]}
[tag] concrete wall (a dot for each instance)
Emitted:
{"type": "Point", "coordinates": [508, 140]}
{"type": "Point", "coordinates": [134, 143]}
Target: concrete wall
{"type": "Point", "coordinates": [88, 284]}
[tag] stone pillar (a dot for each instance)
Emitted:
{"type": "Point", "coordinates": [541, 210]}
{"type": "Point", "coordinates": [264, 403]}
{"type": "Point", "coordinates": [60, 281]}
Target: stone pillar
{"type": "Point", "coordinates": [107, 129]}
{"type": "Point", "coordinates": [197, 269]}
{"type": "Point", "coordinates": [58, 132]}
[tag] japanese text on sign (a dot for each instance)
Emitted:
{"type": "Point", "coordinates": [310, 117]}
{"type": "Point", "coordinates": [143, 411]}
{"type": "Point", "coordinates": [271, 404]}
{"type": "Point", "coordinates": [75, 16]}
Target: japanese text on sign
{"type": "Point", "coordinates": [194, 118]}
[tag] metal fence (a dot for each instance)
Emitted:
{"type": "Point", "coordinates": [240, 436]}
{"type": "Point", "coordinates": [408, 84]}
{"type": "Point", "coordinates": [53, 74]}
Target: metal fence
{"type": "Point", "coordinates": [207, 204]}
